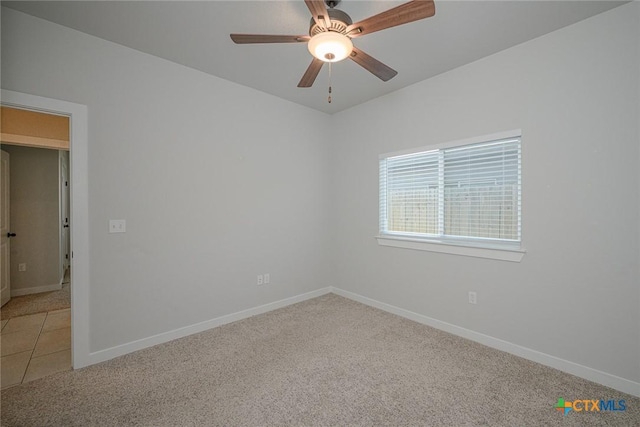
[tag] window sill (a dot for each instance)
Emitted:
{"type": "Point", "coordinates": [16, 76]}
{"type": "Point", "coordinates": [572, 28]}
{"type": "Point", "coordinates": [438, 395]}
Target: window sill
{"type": "Point", "coordinates": [496, 252]}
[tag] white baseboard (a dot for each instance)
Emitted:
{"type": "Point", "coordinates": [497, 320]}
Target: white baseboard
{"type": "Point", "coordinates": [35, 290]}
{"type": "Point", "coordinates": [121, 350]}
{"type": "Point", "coordinates": [606, 379]}
{"type": "Point", "coordinates": [609, 380]}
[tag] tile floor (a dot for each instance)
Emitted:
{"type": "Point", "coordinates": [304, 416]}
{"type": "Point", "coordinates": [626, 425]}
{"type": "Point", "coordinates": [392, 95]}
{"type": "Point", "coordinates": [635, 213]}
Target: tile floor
{"type": "Point", "coordinates": [34, 346]}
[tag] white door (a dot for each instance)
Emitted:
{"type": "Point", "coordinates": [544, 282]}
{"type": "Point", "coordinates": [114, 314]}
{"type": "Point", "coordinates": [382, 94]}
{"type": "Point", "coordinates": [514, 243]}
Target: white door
{"type": "Point", "coordinates": [64, 210]}
{"type": "Point", "coordinates": [5, 278]}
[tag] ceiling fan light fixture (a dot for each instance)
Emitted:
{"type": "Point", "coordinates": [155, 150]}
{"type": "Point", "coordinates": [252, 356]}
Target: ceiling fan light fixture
{"type": "Point", "coordinates": [330, 46]}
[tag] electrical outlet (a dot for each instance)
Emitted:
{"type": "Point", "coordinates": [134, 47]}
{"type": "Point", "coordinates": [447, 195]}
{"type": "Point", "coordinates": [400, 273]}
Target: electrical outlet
{"type": "Point", "coordinates": [117, 226]}
{"type": "Point", "coordinates": [22, 266]}
{"type": "Point", "coordinates": [260, 279]}
{"type": "Point", "coordinates": [267, 278]}
{"type": "Point", "coordinates": [473, 298]}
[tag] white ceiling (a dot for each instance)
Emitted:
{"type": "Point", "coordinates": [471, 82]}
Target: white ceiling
{"type": "Point", "coordinates": [196, 34]}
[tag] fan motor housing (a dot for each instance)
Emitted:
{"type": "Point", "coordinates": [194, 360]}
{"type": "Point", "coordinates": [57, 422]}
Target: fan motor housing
{"type": "Point", "coordinates": [339, 23]}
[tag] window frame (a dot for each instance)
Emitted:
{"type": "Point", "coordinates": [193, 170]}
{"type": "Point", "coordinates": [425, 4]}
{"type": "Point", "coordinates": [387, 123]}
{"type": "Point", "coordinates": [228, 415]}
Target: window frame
{"type": "Point", "coordinates": [506, 250]}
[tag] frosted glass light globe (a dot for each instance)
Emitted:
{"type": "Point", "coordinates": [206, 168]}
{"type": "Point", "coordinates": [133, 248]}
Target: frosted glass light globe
{"type": "Point", "coordinates": [330, 46]}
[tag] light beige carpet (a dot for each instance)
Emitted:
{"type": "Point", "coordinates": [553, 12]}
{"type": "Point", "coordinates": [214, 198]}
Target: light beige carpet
{"type": "Point", "coordinates": [328, 361]}
{"type": "Point", "coordinates": [37, 303]}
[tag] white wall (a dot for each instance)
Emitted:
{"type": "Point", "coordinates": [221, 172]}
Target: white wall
{"type": "Point", "coordinates": [217, 182]}
{"type": "Point", "coordinates": [160, 135]}
{"type": "Point", "coordinates": [574, 94]}
{"type": "Point", "coordinates": [34, 218]}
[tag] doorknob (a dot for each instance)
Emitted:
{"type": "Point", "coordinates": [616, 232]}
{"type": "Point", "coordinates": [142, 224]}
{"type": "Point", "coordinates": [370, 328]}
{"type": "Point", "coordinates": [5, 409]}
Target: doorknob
{"type": "Point", "coordinates": [11, 234]}
{"type": "Point", "coordinates": [66, 226]}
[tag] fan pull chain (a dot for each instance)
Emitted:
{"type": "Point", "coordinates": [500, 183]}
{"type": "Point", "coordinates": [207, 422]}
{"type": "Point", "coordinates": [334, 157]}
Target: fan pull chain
{"type": "Point", "coordinates": [329, 99]}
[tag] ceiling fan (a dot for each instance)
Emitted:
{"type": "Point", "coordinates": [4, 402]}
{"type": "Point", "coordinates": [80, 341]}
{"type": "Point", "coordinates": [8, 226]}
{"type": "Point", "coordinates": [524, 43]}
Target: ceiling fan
{"type": "Point", "coordinates": [331, 31]}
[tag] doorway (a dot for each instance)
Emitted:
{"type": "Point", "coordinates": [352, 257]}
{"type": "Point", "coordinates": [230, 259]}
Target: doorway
{"type": "Point", "coordinates": [37, 223]}
{"type": "Point", "coordinates": [36, 321]}
{"type": "Point", "coordinates": [78, 212]}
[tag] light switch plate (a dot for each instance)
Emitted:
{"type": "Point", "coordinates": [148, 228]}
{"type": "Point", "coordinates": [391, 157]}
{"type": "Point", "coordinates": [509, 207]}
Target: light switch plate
{"type": "Point", "coordinates": [117, 226]}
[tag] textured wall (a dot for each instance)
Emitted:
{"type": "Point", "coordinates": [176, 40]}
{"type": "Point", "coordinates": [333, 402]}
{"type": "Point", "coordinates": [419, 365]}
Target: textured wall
{"type": "Point", "coordinates": [217, 182]}
{"type": "Point", "coordinates": [574, 95]}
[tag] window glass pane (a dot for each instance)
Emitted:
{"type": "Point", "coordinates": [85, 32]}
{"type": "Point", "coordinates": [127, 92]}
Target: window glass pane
{"type": "Point", "coordinates": [470, 191]}
{"type": "Point", "coordinates": [413, 193]}
{"type": "Point", "coordinates": [481, 191]}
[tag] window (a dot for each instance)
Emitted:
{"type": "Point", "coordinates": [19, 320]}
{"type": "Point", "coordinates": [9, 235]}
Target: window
{"type": "Point", "coordinates": [465, 194]}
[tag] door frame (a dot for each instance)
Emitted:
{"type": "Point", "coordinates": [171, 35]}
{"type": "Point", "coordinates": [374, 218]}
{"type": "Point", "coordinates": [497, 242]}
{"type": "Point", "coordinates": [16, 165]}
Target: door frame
{"type": "Point", "coordinates": [5, 214]}
{"type": "Point", "coordinates": [79, 212]}
{"type": "Point", "coordinates": [64, 214]}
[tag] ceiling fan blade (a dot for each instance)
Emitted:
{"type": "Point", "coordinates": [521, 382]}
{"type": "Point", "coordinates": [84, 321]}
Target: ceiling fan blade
{"type": "Point", "coordinates": [403, 14]}
{"type": "Point", "coordinates": [377, 68]}
{"type": "Point", "coordinates": [263, 38]}
{"type": "Point", "coordinates": [319, 12]}
{"type": "Point", "coordinates": [312, 72]}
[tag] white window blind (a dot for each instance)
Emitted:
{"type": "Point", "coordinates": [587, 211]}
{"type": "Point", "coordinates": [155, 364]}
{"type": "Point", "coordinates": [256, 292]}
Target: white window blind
{"type": "Point", "coordinates": [470, 192]}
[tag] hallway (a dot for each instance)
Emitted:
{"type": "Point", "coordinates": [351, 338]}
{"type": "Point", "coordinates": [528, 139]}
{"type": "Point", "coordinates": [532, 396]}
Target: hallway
{"type": "Point", "coordinates": [34, 346]}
